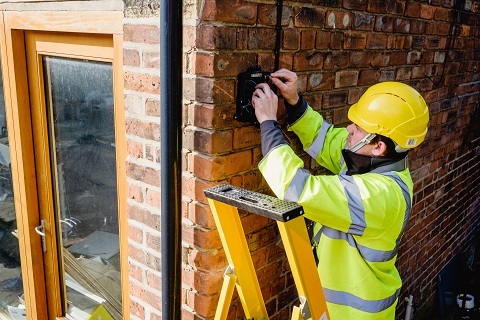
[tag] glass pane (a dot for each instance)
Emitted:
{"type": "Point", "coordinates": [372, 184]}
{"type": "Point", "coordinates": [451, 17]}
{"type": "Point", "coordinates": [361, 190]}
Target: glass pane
{"type": "Point", "coordinates": [79, 96]}
{"type": "Point", "coordinates": [12, 305]}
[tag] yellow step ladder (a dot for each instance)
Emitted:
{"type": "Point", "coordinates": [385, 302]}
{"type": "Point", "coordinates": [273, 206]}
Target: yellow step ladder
{"type": "Point", "coordinates": [225, 200]}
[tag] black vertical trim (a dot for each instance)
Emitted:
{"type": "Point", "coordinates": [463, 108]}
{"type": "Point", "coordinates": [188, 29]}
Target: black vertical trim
{"type": "Point", "coordinates": [171, 143]}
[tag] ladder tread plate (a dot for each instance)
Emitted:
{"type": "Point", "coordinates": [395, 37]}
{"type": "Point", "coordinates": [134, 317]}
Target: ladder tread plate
{"type": "Point", "coordinates": [264, 205]}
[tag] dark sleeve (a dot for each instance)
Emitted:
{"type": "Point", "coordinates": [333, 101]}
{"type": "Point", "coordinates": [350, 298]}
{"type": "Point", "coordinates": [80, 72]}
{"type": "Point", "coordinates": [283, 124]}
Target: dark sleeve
{"type": "Point", "coordinates": [295, 111]}
{"type": "Point", "coordinates": [272, 135]}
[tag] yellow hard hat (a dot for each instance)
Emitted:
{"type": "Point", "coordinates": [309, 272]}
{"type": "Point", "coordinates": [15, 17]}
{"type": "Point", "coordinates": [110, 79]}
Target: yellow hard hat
{"type": "Point", "coordinates": [394, 110]}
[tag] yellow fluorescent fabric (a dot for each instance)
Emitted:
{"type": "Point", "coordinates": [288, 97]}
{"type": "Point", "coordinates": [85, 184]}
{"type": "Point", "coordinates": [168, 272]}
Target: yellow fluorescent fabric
{"type": "Point", "coordinates": [361, 217]}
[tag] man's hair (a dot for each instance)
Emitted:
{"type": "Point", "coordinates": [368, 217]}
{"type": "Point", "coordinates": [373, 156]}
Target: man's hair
{"type": "Point", "coordinates": [390, 152]}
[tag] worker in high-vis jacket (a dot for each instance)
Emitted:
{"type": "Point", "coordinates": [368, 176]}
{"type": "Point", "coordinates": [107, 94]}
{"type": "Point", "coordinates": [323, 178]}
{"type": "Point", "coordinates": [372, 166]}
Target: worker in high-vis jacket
{"type": "Point", "coordinates": [361, 210]}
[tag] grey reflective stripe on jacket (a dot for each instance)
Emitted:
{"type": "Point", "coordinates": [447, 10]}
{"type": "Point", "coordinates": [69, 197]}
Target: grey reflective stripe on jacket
{"type": "Point", "coordinates": [348, 299]}
{"type": "Point", "coordinates": [317, 144]}
{"type": "Point", "coordinates": [354, 199]}
{"type": "Point", "coordinates": [296, 186]}
{"type": "Point", "coordinates": [369, 254]}
{"type": "Point", "coordinates": [355, 205]}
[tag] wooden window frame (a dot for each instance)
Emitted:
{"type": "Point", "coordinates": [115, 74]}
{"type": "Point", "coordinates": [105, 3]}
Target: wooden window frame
{"type": "Point", "coordinates": [17, 106]}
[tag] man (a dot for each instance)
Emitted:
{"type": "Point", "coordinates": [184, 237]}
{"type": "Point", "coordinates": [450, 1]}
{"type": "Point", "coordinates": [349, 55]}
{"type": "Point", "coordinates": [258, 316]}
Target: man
{"type": "Point", "coordinates": [362, 210]}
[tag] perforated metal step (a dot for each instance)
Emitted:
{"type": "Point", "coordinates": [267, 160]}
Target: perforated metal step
{"type": "Point", "coordinates": [267, 206]}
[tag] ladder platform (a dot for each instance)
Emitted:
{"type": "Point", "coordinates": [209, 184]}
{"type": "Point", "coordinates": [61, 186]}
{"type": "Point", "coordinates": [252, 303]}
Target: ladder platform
{"type": "Point", "coordinates": [261, 204]}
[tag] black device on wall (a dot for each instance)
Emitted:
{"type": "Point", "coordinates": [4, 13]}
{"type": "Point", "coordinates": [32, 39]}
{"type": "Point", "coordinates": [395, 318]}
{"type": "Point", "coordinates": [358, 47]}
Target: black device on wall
{"type": "Point", "coordinates": [248, 80]}
{"type": "Point", "coordinates": [246, 83]}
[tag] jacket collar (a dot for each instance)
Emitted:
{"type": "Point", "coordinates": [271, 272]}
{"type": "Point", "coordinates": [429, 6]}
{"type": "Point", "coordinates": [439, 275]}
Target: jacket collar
{"type": "Point", "coordinates": [359, 163]}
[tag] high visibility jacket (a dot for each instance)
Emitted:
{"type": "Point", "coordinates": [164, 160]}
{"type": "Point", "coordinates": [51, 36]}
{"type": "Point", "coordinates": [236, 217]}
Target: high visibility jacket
{"type": "Point", "coordinates": [360, 219]}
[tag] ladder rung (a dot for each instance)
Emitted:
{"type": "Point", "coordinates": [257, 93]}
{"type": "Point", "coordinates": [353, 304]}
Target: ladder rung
{"type": "Point", "coordinates": [264, 205]}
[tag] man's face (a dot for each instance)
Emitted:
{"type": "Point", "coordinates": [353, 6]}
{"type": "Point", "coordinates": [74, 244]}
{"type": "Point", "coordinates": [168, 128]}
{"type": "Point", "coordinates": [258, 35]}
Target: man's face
{"type": "Point", "coordinates": [355, 135]}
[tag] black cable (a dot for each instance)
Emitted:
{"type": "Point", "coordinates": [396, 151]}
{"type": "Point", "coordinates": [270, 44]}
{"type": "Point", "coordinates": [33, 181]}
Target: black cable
{"type": "Point", "coordinates": [279, 34]}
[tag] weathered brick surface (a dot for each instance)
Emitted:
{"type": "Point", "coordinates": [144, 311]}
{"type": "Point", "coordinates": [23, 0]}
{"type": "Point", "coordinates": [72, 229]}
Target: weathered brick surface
{"type": "Point", "coordinates": [338, 49]}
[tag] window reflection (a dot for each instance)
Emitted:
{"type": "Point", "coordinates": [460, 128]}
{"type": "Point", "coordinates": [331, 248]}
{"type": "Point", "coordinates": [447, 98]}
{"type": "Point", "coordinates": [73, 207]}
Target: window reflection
{"type": "Point", "coordinates": [80, 99]}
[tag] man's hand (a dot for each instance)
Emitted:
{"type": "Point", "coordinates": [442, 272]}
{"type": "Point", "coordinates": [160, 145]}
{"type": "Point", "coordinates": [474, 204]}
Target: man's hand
{"type": "Point", "coordinates": [265, 102]}
{"type": "Point", "coordinates": [286, 82]}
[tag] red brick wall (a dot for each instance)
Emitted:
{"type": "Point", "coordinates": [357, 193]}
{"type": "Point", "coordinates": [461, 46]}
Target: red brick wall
{"type": "Point", "coordinates": [338, 48]}
{"type": "Point", "coordinates": [141, 72]}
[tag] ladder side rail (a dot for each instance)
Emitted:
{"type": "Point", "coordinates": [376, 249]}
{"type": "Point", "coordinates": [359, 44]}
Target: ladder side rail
{"type": "Point", "coordinates": [238, 255]}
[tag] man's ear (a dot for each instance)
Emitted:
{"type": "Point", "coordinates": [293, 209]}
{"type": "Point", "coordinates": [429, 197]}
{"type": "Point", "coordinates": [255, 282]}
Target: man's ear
{"type": "Point", "coordinates": [379, 149]}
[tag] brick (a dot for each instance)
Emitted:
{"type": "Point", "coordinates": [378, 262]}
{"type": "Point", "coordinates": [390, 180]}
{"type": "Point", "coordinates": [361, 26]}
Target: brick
{"type": "Point", "coordinates": [140, 33]}
{"type": "Point", "coordinates": [322, 40]}
{"type": "Point", "coordinates": [335, 99]}
{"type": "Point", "coordinates": [213, 117]}
{"type": "Point", "coordinates": [427, 12]}
{"type": "Point", "coordinates": [322, 81]}
{"type": "Point", "coordinates": [346, 78]}
{"type": "Point", "coordinates": [242, 38]}
{"type": "Point", "coordinates": [377, 6]}
{"type": "Point", "coordinates": [303, 61]}
{"type": "Point", "coordinates": [336, 60]}
{"type": "Point", "coordinates": [307, 39]}
{"type": "Point", "coordinates": [204, 239]}
{"type": "Point", "coordinates": [267, 14]}
{"type": "Point", "coordinates": [207, 283]}
{"type": "Point", "coordinates": [261, 38]}
{"type": "Point", "coordinates": [291, 39]}
{"type": "Point", "coordinates": [137, 309]}
{"type": "Point", "coordinates": [134, 149]}
{"type": "Point", "coordinates": [398, 58]}
{"type": "Point", "coordinates": [338, 20]}
{"type": "Point", "coordinates": [142, 82]}
{"type": "Point", "coordinates": [376, 41]}
{"type": "Point", "coordinates": [359, 5]}
{"type": "Point", "coordinates": [135, 235]}
{"type": "Point", "coordinates": [153, 198]}
{"type": "Point", "coordinates": [147, 175]}
{"type": "Point", "coordinates": [152, 107]}
{"type": "Point", "coordinates": [355, 41]}
{"type": "Point", "coordinates": [213, 142]}
{"type": "Point", "coordinates": [414, 57]}
{"type": "Point", "coordinates": [222, 64]}
{"type": "Point", "coordinates": [210, 90]}
{"type": "Point", "coordinates": [193, 187]}
{"type": "Point", "coordinates": [146, 130]}
{"type": "Point", "coordinates": [336, 40]}
{"type": "Point", "coordinates": [417, 27]}
{"type": "Point", "coordinates": [360, 59]}
{"type": "Point", "coordinates": [204, 305]}
{"type": "Point", "coordinates": [135, 193]}
{"type": "Point", "coordinates": [246, 137]}
{"type": "Point", "coordinates": [133, 103]}
{"type": "Point", "coordinates": [387, 75]}
{"type": "Point", "coordinates": [216, 37]}
{"type": "Point", "coordinates": [395, 7]}
{"type": "Point", "coordinates": [363, 21]}
{"type": "Point", "coordinates": [219, 167]}
{"type": "Point", "coordinates": [401, 25]}
{"type": "Point", "coordinates": [403, 73]}
{"type": "Point", "coordinates": [309, 17]}
{"type": "Point", "coordinates": [144, 216]}
{"type": "Point", "coordinates": [207, 261]}
{"type": "Point", "coordinates": [267, 60]}
{"type": "Point", "coordinates": [235, 11]}
{"type": "Point", "coordinates": [384, 24]}
{"type": "Point", "coordinates": [413, 9]}
{"type": "Point", "coordinates": [368, 77]}
{"type": "Point", "coordinates": [131, 57]}
{"type": "Point", "coordinates": [252, 180]}
{"type": "Point", "coordinates": [441, 14]}
{"type": "Point", "coordinates": [201, 214]}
